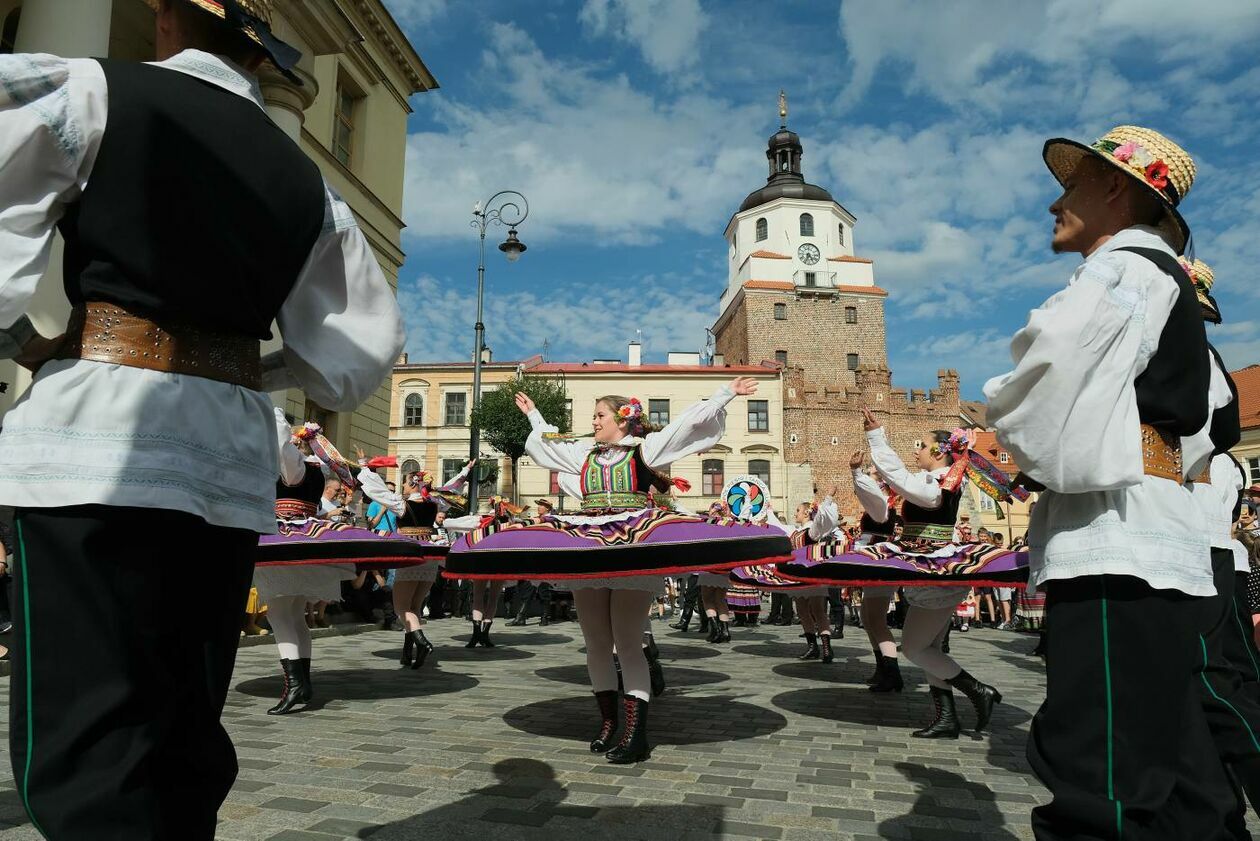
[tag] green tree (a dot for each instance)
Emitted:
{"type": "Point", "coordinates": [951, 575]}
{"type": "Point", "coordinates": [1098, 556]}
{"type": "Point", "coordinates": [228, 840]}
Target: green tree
{"type": "Point", "coordinates": [505, 428]}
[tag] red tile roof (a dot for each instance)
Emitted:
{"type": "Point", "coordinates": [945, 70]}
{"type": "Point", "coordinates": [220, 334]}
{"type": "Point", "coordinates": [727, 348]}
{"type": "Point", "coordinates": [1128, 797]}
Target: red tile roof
{"type": "Point", "coordinates": [844, 258]}
{"type": "Point", "coordinates": [987, 445]}
{"type": "Point", "coordinates": [1248, 382]}
{"type": "Point", "coordinates": [770, 255]}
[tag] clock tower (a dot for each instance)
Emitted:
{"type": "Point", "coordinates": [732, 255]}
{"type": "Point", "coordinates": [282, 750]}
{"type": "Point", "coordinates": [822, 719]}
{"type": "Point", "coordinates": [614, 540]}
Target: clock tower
{"type": "Point", "coordinates": [796, 293]}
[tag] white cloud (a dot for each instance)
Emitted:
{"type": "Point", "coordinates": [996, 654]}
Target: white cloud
{"type": "Point", "coordinates": [416, 12]}
{"type": "Point", "coordinates": [666, 32]}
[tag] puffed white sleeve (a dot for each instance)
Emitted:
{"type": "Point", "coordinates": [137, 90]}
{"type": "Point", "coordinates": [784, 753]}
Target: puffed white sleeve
{"type": "Point", "coordinates": [341, 326]}
{"type": "Point", "coordinates": [459, 481]}
{"type": "Point", "coordinates": [825, 521]}
{"type": "Point", "coordinates": [292, 465]}
{"type": "Point", "coordinates": [870, 496]}
{"type": "Point", "coordinates": [697, 429]}
{"type": "Point", "coordinates": [1197, 449]}
{"type": "Point", "coordinates": [920, 488]}
{"type": "Point", "coordinates": [461, 525]}
{"type": "Point", "coordinates": [1068, 411]}
{"type": "Point", "coordinates": [375, 489]}
{"type": "Point", "coordinates": [570, 485]}
{"type": "Point", "coordinates": [563, 454]}
{"type": "Point", "coordinates": [52, 117]}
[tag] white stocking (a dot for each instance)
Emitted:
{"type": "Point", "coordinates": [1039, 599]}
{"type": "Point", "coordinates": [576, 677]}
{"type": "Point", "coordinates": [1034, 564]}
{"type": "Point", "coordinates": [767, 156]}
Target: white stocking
{"type": "Point", "coordinates": [921, 643]}
{"type": "Point", "coordinates": [287, 615]}
{"type": "Point", "coordinates": [875, 621]}
{"type": "Point", "coordinates": [627, 608]}
{"type": "Point", "coordinates": [593, 607]}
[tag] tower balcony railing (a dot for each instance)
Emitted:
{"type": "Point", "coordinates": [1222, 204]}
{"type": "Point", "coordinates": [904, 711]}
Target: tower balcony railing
{"type": "Point", "coordinates": [810, 281]}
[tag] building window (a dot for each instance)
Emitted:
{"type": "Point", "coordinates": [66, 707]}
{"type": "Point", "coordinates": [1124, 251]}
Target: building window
{"type": "Point", "coordinates": [852, 361]}
{"type": "Point", "coordinates": [568, 414]}
{"type": "Point", "coordinates": [456, 408]}
{"type": "Point", "coordinates": [712, 479]}
{"type": "Point", "coordinates": [347, 105]}
{"type": "Point", "coordinates": [811, 279]}
{"type": "Point", "coordinates": [451, 468]}
{"type": "Point", "coordinates": [780, 356]}
{"type": "Point", "coordinates": [658, 413]}
{"type": "Point", "coordinates": [758, 415]}
{"type": "Point", "coordinates": [842, 234]}
{"type": "Point", "coordinates": [413, 410]}
{"type": "Point", "coordinates": [763, 230]}
{"type": "Point", "coordinates": [850, 315]}
{"type": "Point", "coordinates": [408, 467]}
{"type": "Point", "coordinates": [553, 483]}
{"type": "Point", "coordinates": [1253, 467]}
{"type": "Point", "coordinates": [780, 312]}
{"type": "Point", "coordinates": [1004, 458]}
{"type": "Point", "coordinates": [760, 468]}
{"type": "Point", "coordinates": [807, 225]}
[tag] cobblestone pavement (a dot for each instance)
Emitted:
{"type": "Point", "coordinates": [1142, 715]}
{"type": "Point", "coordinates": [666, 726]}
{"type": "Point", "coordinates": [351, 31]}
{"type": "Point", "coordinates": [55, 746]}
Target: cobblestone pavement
{"type": "Point", "coordinates": [491, 744]}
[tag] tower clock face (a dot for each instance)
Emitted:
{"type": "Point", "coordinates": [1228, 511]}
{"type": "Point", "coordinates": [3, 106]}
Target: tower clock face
{"type": "Point", "coordinates": [808, 254]}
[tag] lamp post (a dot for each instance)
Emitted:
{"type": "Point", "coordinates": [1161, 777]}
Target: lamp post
{"type": "Point", "coordinates": [506, 207]}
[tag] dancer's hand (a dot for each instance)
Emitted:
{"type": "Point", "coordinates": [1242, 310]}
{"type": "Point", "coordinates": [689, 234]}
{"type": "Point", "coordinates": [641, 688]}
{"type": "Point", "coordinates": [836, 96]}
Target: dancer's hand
{"type": "Point", "coordinates": [869, 421]}
{"type": "Point", "coordinates": [857, 460]}
{"type": "Point", "coordinates": [744, 386]}
{"type": "Point", "coordinates": [359, 454]}
{"type": "Point", "coordinates": [524, 403]}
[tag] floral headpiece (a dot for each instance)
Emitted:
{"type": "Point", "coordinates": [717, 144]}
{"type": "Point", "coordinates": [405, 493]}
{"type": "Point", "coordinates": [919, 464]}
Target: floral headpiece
{"type": "Point", "coordinates": [307, 431]}
{"type": "Point", "coordinates": [959, 442]}
{"type": "Point", "coordinates": [968, 464]}
{"type": "Point", "coordinates": [632, 411]}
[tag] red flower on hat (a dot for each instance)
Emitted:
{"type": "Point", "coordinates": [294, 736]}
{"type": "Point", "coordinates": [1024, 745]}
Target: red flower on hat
{"type": "Point", "coordinates": [1157, 175]}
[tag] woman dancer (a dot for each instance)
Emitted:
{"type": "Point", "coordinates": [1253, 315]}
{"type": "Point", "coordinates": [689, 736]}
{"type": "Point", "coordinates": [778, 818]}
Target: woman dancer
{"type": "Point", "coordinates": [713, 585]}
{"type": "Point", "coordinates": [308, 558]}
{"type": "Point", "coordinates": [615, 553]}
{"type": "Point", "coordinates": [417, 508]}
{"type": "Point", "coordinates": [876, 525]}
{"type": "Point", "coordinates": [815, 523]}
{"type": "Point", "coordinates": [928, 547]}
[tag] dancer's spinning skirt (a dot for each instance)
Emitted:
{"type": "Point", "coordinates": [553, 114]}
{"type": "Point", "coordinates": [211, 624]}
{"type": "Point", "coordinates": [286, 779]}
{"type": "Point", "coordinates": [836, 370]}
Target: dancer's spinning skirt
{"type": "Point", "coordinates": [909, 563]}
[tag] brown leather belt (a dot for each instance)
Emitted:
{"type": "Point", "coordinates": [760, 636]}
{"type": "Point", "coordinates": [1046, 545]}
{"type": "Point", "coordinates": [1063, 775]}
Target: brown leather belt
{"type": "Point", "coordinates": [108, 333]}
{"type": "Point", "coordinates": [1161, 454]}
{"type": "Point", "coordinates": [417, 532]}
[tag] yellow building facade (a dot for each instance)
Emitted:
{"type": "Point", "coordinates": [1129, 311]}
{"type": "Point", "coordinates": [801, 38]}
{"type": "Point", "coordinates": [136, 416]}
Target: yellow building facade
{"type": "Point", "coordinates": [359, 72]}
{"type": "Point", "coordinates": [429, 421]}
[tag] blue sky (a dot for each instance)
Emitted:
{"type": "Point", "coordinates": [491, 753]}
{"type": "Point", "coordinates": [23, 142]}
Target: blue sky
{"type": "Point", "coordinates": [635, 128]}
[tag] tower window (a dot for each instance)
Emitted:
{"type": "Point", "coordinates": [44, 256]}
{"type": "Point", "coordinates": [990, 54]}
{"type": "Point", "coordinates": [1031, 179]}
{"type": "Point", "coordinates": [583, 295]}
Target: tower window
{"type": "Point", "coordinates": [807, 225]}
{"type": "Point", "coordinates": [780, 312]}
{"type": "Point", "coordinates": [780, 356]}
{"type": "Point", "coordinates": [842, 234]}
{"type": "Point", "coordinates": [852, 361]}
{"type": "Point", "coordinates": [762, 229]}
{"type": "Point", "coordinates": [811, 279]}
{"type": "Point", "coordinates": [850, 315]}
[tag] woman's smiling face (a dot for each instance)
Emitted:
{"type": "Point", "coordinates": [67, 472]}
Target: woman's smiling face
{"type": "Point", "coordinates": [608, 428]}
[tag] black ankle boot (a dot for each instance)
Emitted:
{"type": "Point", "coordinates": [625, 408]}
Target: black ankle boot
{"type": "Point", "coordinates": [889, 677]}
{"type": "Point", "coordinates": [519, 621]}
{"type": "Point", "coordinates": [633, 746]}
{"type": "Point", "coordinates": [724, 631]}
{"type": "Point", "coordinates": [485, 634]}
{"type": "Point", "coordinates": [879, 669]}
{"type": "Point", "coordinates": [715, 630]}
{"type": "Point", "coordinates": [607, 701]}
{"type": "Point", "coordinates": [683, 622]}
{"type": "Point", "coordinates": [824, 642]}
{"type": "Point", "coordinates": [409, 649]}
{"type": "Point", "coordinates": [294, 693]}
{"type": "Point", "coordinates": [982, 696]}
{"type": "Point", "coordinates": [304, 675]}
{"type": "Point", "coordinates": [476, 636]}
{"type": "Point", "coordinates": [945, 724]}
{"type": "Point", "coordinates": [655, 672]}
{"type": "Point", "coordinates": [423, 647]}
{"type": "Point", "coordinates": [811, 648]}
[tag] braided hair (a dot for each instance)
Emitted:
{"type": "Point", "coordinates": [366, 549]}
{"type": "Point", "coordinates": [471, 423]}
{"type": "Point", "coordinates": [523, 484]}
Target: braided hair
{"type": "Point", "coordinates": [630, 410]}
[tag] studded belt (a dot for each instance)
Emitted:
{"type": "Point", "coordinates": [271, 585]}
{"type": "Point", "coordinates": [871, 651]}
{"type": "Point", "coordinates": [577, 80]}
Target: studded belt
{"type": "Point", "coordinates": [417, 532]}
{"type": "Point", "coordinates": [1161, 454]}
{"type": "Point", "coordinates": [109, 333]}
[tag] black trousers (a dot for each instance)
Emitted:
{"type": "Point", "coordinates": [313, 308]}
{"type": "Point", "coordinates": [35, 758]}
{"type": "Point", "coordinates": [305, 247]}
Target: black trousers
{"type": "Point", "coordinates": [114, 728]}
{"type": "Point", "coordinates": [1229, 685]}
{"type": "Point", "coordinates": [1121, 740]}
{"type": "Point", "coordinates": [527, 591]}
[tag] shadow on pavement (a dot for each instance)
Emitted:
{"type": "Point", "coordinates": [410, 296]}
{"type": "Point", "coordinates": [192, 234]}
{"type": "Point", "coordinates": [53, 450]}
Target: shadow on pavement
{"type": "Point", "coordinates": [674, 675]}
{"type": "Point", "coordinates": [528, 803]}
{"type": "Point", "coordinates": [691, 720]}
{"type": "Point", "coordinates": [365, 684]}
{"type": "Point", "coordinates": [511, 636]}
{"type": "Point", "coordinates": [856, 705]}
{"type": "Point", "coordinates": [698, 650]}
{"type": "Point", "coordinates": [849, 672]}
{"type": "Point", "coordinates": [925, 814]}
{"type": "Point", "coordinates": [12, 812]}
{"type": "Point", "coordinates": [459, 654]}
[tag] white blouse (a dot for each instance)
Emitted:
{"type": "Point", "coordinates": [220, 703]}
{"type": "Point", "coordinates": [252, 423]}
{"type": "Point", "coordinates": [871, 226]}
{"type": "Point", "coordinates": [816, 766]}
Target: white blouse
{"type": "Point", "coordinates": [93, 432]}
{"type": "Point", "coordinates": [923, 487]}
{"type": "Point", "coordinates": [1068, 414]}
{"type": "Point", "coordinates": [1197, 449]}
{"type": "Point", "coordinates": [375, 489]}
{"type": "Point", "coordinates": [695, 430]}
{"type": "Point", "coordinates": [870, 496]}
{"type": "Point", "coordinates": [1215, 502]}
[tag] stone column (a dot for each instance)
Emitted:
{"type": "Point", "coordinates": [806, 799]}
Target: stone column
{"type": "Point", "coordinates": [75, 29]}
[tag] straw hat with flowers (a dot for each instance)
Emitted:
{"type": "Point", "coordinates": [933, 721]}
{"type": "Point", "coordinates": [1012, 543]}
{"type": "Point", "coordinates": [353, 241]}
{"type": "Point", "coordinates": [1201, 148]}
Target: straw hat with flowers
{"type": "Point", "coordinates": [1202, 278]}
{"type": "Point", "coordinates": [1158, 164]}
{"type": "Point", "coordinates": [253, 19]}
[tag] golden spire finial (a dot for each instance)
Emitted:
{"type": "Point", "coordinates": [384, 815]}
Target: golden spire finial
{"type": "Point", "coordinates": [783, 107]}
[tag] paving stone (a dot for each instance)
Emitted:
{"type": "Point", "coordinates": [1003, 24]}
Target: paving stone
{"type": "Point", "coordinates": [294, 804]}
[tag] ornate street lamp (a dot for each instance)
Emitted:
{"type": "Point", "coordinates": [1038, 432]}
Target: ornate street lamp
{"type": "Point", "coordinates": [506, 207]}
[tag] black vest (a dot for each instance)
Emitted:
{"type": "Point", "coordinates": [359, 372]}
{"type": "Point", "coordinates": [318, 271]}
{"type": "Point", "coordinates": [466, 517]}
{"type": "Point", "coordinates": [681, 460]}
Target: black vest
{"type": "Point", "coordinates": [309, 490]}
{"type": "Point", "coordinates": [945, 515]}
{"type": "Point", "coordinates": [419, 515]}
{"type": "Point", "coordinates": [199, 208]}
{"type": "Point", "coordinates": [1226, 427]}
{"type": "Point", "coordinates": [1172, 392]}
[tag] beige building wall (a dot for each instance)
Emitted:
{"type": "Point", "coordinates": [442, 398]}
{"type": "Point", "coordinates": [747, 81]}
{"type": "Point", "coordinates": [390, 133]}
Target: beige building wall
{"type": "Point", "coordinates": [350, 45]}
